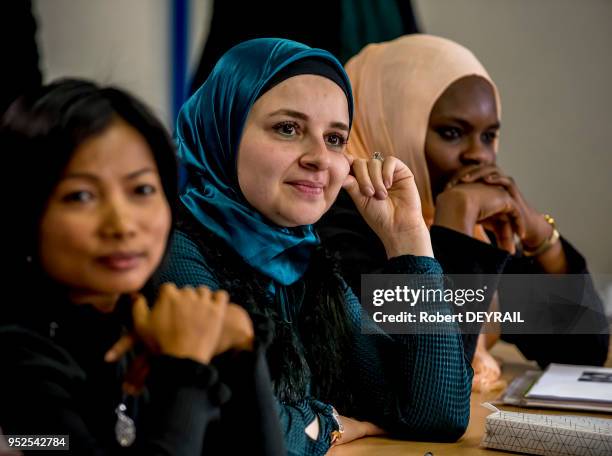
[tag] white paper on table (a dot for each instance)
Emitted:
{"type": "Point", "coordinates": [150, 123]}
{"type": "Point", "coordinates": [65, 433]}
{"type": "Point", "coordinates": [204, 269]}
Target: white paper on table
{"type": "Point", "coordinates": [562, 381]}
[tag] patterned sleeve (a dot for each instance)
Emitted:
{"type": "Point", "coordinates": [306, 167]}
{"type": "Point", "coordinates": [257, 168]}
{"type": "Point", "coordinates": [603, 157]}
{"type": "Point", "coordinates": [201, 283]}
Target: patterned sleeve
{"type": "Point", "coordinates": [415, 386]}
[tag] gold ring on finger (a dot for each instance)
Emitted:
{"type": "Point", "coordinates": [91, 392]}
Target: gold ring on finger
{"type": "Point", "coordinates": [378, 156]}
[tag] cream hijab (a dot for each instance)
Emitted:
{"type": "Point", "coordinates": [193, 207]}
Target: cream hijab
{"type": "Point", "coordinates": [395, 86]}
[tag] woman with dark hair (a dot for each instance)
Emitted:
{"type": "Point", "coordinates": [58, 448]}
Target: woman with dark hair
{"type": "Point", "coordinates": [263, 142]}
{"type": "Point", "coordinates": [91, 227]}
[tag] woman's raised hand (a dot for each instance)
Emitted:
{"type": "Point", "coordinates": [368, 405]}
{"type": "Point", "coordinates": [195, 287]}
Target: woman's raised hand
{"type": "Point", "coordinates": [464, 205]}
{"type": "Point", "coordinates": [536, 227]}
{"type": "Point", "coordinates": [386, 195]}
{"type": "Point", "coordinates": [189, 322]}
{"type": "Point", "coordinates": [185, 323]}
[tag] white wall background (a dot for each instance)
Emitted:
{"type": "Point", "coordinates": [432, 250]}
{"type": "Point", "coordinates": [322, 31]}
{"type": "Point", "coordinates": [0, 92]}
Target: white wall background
{"type": "Point", "coordinates": [550, 58]}
{"type": "Point", "coordinates": [552, 61]}
{"type": "Point", "coordinates": [122, 42]}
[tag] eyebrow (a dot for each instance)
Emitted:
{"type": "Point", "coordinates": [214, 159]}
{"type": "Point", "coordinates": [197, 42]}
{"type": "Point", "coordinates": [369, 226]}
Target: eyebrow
{"type": "Point", "coordinates": [465, 124]}
{"type": "Point", "coordinates": [302, 116]}
{"type": "Point", "coordinates": [93, 177]}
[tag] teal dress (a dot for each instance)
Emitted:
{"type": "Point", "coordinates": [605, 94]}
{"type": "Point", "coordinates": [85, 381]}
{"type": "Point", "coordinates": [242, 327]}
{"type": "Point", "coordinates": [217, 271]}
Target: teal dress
{"type": "Point", "coordinates": [415, 386]}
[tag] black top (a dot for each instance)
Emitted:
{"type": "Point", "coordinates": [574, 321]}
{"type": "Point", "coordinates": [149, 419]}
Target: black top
{"type": "Point", "coordinates": [319, 25]}
{"type": "Point", "coordinates": [345, 232]}
{"type": "Point", "coordinates": [54, 381]}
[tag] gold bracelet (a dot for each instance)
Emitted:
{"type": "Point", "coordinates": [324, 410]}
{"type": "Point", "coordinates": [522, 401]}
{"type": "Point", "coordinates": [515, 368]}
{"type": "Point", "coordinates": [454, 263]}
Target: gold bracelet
{"type": "Point", "coordinates": [546, 243]}
{"type": "Point", "coordinates": [336, 435]}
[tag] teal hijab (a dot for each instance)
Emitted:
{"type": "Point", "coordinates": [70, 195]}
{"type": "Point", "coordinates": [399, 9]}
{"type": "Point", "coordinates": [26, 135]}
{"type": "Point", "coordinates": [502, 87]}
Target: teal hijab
{"type": "Point", "coordinates": [209, 129]}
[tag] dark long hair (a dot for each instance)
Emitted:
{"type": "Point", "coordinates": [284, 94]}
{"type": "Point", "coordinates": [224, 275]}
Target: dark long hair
{"type": "Point", "coordinates": [39, 134]}
{"type": "Point", "coordinates": [312, 349]}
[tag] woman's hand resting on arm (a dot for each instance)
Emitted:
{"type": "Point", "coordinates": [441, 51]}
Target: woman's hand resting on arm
{"type": "Point", "coordinates": [354, 429]}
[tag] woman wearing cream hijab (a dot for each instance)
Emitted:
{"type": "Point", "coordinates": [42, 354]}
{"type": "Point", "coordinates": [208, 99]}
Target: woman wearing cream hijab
{"type": "Point", "coordinates": [429, 102]}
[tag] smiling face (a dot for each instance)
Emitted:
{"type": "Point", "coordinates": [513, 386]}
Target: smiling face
{"type": "Point", "coordinates": [291, 164]}
{"type": "Point", "coordinates": [462, 131]}
{"type": "Point", "coordinates": [106, 224]}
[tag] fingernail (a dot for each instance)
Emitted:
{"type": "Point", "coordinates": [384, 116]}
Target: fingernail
{"type": "Point", "coordinates": [370, 191]}
{"type": "Point", "coordinates": [387, 184]}
{"type": "Point", "coordinates": [109, 357]}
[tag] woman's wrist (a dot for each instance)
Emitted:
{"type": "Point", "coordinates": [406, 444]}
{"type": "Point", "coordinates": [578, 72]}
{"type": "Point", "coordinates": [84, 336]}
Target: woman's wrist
{"type": "Point", "coordinates": [415, 241]}
{"type": "Point", "coordinates": [542, 230]}
{"type": "Point", "coordinates": [201, 355]}
{"type": "Point", "coordinates": [548, 251]}
{"type": "Point", "coordinates": [456, 212]}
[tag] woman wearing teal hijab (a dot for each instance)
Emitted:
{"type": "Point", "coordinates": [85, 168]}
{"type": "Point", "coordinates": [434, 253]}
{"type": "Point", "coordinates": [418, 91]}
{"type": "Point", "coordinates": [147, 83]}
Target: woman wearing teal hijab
{"type": "Point", "coordinates": [263, 142]}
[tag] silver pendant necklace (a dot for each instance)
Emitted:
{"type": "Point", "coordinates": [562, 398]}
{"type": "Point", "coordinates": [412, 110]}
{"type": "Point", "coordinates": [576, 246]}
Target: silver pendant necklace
{"type": "Point", "coordinates": [125, 429]}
